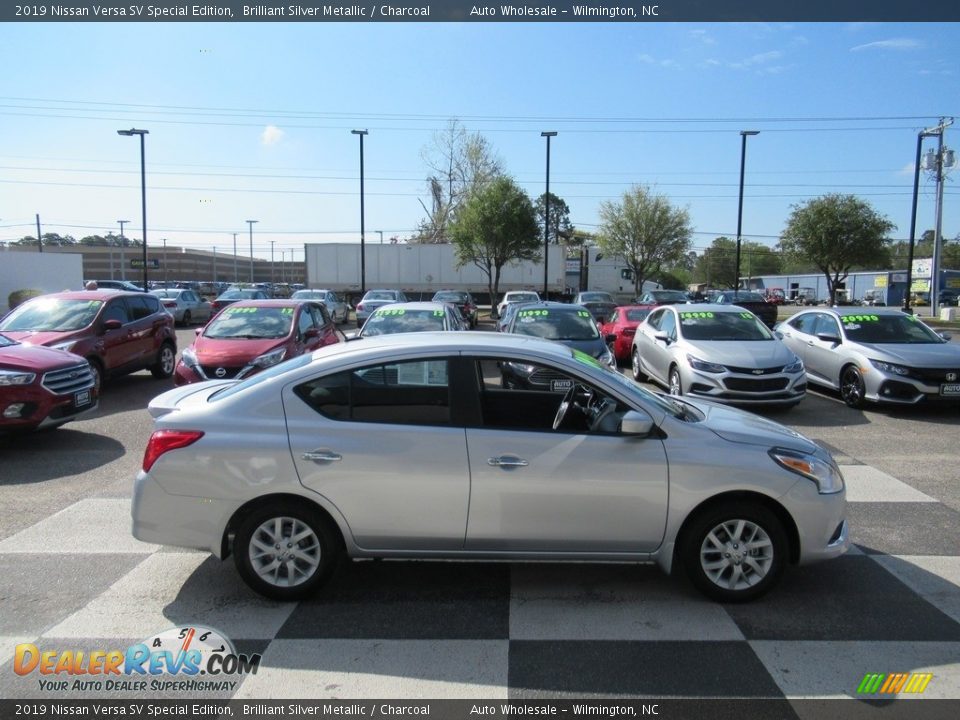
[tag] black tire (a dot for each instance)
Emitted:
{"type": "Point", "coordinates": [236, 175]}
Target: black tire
{"type": "Point", "coordinates": [166, 362]}
{"type": "Point", "coordinates": [317, 555]}
{"type": "Point", "coordinates": [635, 369]}
{"type": "Point", "coordinates": [751, 571]}
{"type": "Point", "coordinates": [187, 317]}
{"type": "Point", "coordinates": [852, 388]}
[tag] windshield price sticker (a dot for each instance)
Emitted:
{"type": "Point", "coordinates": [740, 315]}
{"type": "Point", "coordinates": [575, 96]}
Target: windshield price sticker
{"type": "Point", "coordinates": [746, 315]}
{"type": "Point", "coordinates": [698, 315]}
{"type": "Point", "coordinates": [286, 311]}
{"type": "Point", "coordinates": [438, 313]}
{"type": "Point", "coordinates": [583, 313]}
{"type": "Point", "coordinates": [241, 310]}
{"type": "Point", "coordinates": [386, 313]}
{"type": "Point", "coordinates": [861, 318]}
{"type": "Point", "coordinates": [534, 313]}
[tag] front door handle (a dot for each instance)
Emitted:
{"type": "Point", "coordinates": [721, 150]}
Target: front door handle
{"type": "Point", "coordinates": [507, 461]}
{"type": "Point", "coordinates": [322, 456]}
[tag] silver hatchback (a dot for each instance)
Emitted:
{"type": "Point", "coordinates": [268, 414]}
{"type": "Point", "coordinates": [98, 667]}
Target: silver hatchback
{"type": "Point", "coordinates": [880, 354]}
{"type": "Point", "coordinates": [409, 446]}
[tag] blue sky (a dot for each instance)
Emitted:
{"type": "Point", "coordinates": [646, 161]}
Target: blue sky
{"type": "Point", "coordinates": [252, 121]}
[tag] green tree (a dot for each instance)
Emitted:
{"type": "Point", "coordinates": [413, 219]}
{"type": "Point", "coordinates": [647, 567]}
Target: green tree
{"type": "Point", "coordinates": [560, 228]}
{"type": "Point", "coordinates": [836, 233]}
{"type": "Point", "coordinates": [717, 265]}
{"type": "Point", "coordinates": [460, 162]}
{"type": "Point", "coordinates": [496, 225]}
{"type": "Point", "coordinates": [646, 231]}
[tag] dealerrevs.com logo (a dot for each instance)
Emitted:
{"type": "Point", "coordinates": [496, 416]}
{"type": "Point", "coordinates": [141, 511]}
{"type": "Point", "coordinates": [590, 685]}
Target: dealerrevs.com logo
{"type": "Point", "coordinates": [185, 659]}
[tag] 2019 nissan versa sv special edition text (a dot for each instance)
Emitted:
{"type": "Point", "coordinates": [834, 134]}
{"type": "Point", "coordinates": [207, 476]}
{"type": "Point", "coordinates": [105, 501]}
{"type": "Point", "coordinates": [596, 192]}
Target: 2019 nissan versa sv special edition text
{"type": "Point", "coordinates": [410, 446]}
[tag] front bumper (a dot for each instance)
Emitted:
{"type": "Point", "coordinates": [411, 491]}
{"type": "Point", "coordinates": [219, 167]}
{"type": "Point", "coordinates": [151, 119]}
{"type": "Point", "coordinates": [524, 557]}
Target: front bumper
{"type": "Point", "coordinates": [901, 390]}
{"type": "Point", "coordinates": [821, 522]}
{"type": "Point", "coordinates": [734, 388]}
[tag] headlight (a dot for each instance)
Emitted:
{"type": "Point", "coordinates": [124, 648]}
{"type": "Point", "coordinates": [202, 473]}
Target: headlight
{"type": "Point", "coordinates": [189, 358]}
{"type": "Point", "coordinates": [270, 358]}
{"type": "Point", "coordinates": [890, 367]}
{"type": "Point", "coordinates": [66, 346]}
{"type": "Point", "coordinates": [794, 367]}
{"type": "Point", "coordinates": [826, 475]}
{"type": "Point", "coordinates": [15, 377]}
{"type": "Point", "coordinates": [704, 366]}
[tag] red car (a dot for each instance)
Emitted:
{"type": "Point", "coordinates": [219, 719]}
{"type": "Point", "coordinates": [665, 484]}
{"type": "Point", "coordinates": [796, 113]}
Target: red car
{"type": "Point", "coordinates": [41, 387]}
{"type": "Point", "coordinates": [622, 326]}
{"type": "Point", "coordinates": [251, 335]}
{"type": "Point", "coordinates": [116, 332]}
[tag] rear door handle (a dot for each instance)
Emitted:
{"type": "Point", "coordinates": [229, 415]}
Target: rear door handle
{"type": "Point", "coordinates": [507, 461]}
{"type": "Point", "coordinates": [322, 456]}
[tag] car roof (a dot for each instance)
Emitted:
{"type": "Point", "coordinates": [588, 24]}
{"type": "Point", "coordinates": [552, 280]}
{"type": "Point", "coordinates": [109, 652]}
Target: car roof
{"type": "Point", "coordinates": [699, 307]}
{"type": "Point", "coordinates": [453, 342]}
{"type": "Point", "coordinates": [419, 305]}
{"type": "Point", "coordinates": [278, 303]}
{"type": "Point", "coordinates": [104, 294]}
{"type": "Point", "coordinates": [852, 310]}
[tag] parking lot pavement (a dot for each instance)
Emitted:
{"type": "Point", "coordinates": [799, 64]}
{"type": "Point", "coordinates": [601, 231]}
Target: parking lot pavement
{"type": "Point", "coordinates": [72, 577]}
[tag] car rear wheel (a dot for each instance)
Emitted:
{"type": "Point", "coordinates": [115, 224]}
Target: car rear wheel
{"type": "Point", "coordinates": [852, 389]}
{"type": "Point", "coordinates": [675, 384]}
{"type": "Point", "coordinates": [735, 552]}
{"type": "Point", "coordinates": [286, 551]}
{"type": "Point", "coordinates": [635, 368]}
{"type": "Point", "coordinates": [166, 362]}
{"type": "Point", "coordinates": [186, 317]}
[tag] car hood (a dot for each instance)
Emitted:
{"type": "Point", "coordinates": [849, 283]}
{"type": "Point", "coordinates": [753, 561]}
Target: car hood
{"type": "Point", "coordinates": [946, 355]}
{"type": "Point", "coordinates": [36, 359]}
{"type": "Point", "coordinates": [756, 354]}
{"type": "Point", "coordinates": [739, 426]}
{"type": "Point", "coordinates": [233, 351]}
{"type": "Point", "coordinates": [188, 396]}
{"type": "Point", "coordinates": [32, 337]}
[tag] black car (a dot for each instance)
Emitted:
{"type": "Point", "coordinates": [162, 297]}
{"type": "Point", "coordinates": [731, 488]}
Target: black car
{"type": "Point", "coordinates": [662, 297]}
{"type": "Point", "coordinates": [752, 301]}
{"type": "Point", "coordinates": [463, 301]}
{"type": "Point", "coordinates": [600, 304]}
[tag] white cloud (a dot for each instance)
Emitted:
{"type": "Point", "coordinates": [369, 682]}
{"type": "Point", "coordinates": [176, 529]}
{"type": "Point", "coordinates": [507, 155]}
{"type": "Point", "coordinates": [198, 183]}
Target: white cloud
{"type": "Point", "coordinates": [758, 59]}
{"type": "Point", "coordinates": [907, 169]}
{"type": "Point", "coordinates": [891, 44]}
{"type": "Point", "coordinates": [271, 135]}
{"type": "Point", "coordinates": [703, 37]}
{"type": "Point", "coordinates": [646, 59]}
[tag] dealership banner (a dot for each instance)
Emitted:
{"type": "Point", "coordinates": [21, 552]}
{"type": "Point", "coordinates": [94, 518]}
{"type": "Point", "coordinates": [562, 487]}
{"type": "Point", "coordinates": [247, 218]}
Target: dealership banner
{"type": "Point", "coordinates": [630, 11]}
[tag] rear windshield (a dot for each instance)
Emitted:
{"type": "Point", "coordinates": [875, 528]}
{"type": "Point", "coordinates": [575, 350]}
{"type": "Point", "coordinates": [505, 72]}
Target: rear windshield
{"type": "Point", "coordinates": [595, 297]}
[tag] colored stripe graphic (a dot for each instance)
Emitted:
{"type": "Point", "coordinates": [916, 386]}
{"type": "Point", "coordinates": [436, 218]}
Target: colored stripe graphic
{"type": "Point", "coordinates": [894, 683]}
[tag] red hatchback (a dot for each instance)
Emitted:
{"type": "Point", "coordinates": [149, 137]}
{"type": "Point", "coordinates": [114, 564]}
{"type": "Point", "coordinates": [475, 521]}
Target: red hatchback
{"type": "Point", "coordinates": [41, 387]}
{"type": "Point", "coordinates": [251, 335]}
{"type": "Point", "coordinates": [117, 332]}
{"type": "Point", "coordinates": [622, 326]}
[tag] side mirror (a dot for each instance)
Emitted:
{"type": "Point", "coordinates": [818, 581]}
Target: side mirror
{"type": "Point", "coordinates": [777, 334]}
{"type": "Point", "coordinates": [197, 331]}
{"type": "Point", "coordinates": [311, 333]}
{"type": "Point", "coordinates": [829, 337]}
{"type": "Point", "coordinates": [112, 324]}
{"type": "Point", "coordinates": [663, 337]}
{"type": "Point", "coordinates": [636, 423]}
{"type": "Point", "coordinates": [945, 335]}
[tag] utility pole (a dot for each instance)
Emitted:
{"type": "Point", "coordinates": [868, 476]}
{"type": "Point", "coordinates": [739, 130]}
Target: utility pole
{"type": "Point", "coordinates": [938, 228]}
{"type": "Point", "coordinates": [123, 263]}
{"type": "Point", "coordinates": [39, 236]}
{"type": "Point", "coordinates": [236, 277]}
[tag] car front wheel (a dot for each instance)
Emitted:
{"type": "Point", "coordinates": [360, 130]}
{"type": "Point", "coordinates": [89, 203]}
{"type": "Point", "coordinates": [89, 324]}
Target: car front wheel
{"type": "Point", "coordinates": [735, 552]}
{"type": "Point", "coordinates": [285, 551]}
{"type": "Point", "coordinates": [676, 385]}
{"type": "Point", "coordinates": [852, 389]}
{"type": "Point", "coordinates": [635, 368]}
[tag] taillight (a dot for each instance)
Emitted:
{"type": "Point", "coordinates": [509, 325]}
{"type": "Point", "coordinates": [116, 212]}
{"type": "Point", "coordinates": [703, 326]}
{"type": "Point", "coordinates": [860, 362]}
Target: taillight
{"type": "Point", "coordinates": [629, 331]}
{"type": "Point", "coordinates": [359, 306]}
{"type": "Point", "coordinates": [163, 441]}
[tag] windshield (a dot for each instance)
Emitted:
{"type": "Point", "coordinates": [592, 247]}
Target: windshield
{"type": "Point", "coordinates": [388, 322]}
{"type": "Point", "coordinates": [251, 323]}
{"type": "Point", "coordinates": [518, 297]}
{"type": "Point", "coordinates": [674, 295]}
{"type": "Point", "coordinates": [736, 326]}
{"type": "Point", "coordinates": [888, 329]}
{"type": "Point", "coordinates": [741, 297]}
{"type": "Point", "coordinates": [553, 324]}
{"type": "Point", "coordinates": [381, 295]}
{"type": "Point", "coordinates": [454, 297]}
{"type": "Point", "coordinates": [52, 315]}
{"type": "Point", "coordinates": [637, 315]}
{"type": "Point", "coordinates": [308, 295]}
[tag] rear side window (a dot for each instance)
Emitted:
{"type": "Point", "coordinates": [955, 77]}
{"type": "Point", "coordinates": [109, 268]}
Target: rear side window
{"type": "Point", "coordinates": [138, 308]}
{"type": "Point", "coordinates": [407, 393]}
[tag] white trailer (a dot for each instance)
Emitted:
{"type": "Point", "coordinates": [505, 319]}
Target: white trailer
{"type": "Point", "coordinates": [422, 269]}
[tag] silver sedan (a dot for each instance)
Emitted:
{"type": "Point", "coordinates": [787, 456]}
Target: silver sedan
{"type": "Point", "coordinates": [185, 305]}
{"type": "Point", "coordinates": [880, 354]}
{"type": "Point", "coordinates": [339, 310]}
{"type": "Point", "coordinates": [408, 446]}
{"type": "Point", "coordinates": [717, 352]}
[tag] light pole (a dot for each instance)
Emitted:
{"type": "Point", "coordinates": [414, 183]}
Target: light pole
{"type": "Point", "coordinates": [743, 158]}
{"type": "Point", "coordinates": [143, 194]}
{"type": "Point", "coordinates": [271, 260]}
{"type": "Point", "coordinates": [123, 272]}
{"type": "Point", "coordinates": [236, 276]}
{"type": "Point", "coordinates": [363, 258]}
{"type": "Point", "coordinates": [250, 225]}
{"type": "Point", "coordinates": [546, 221]}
